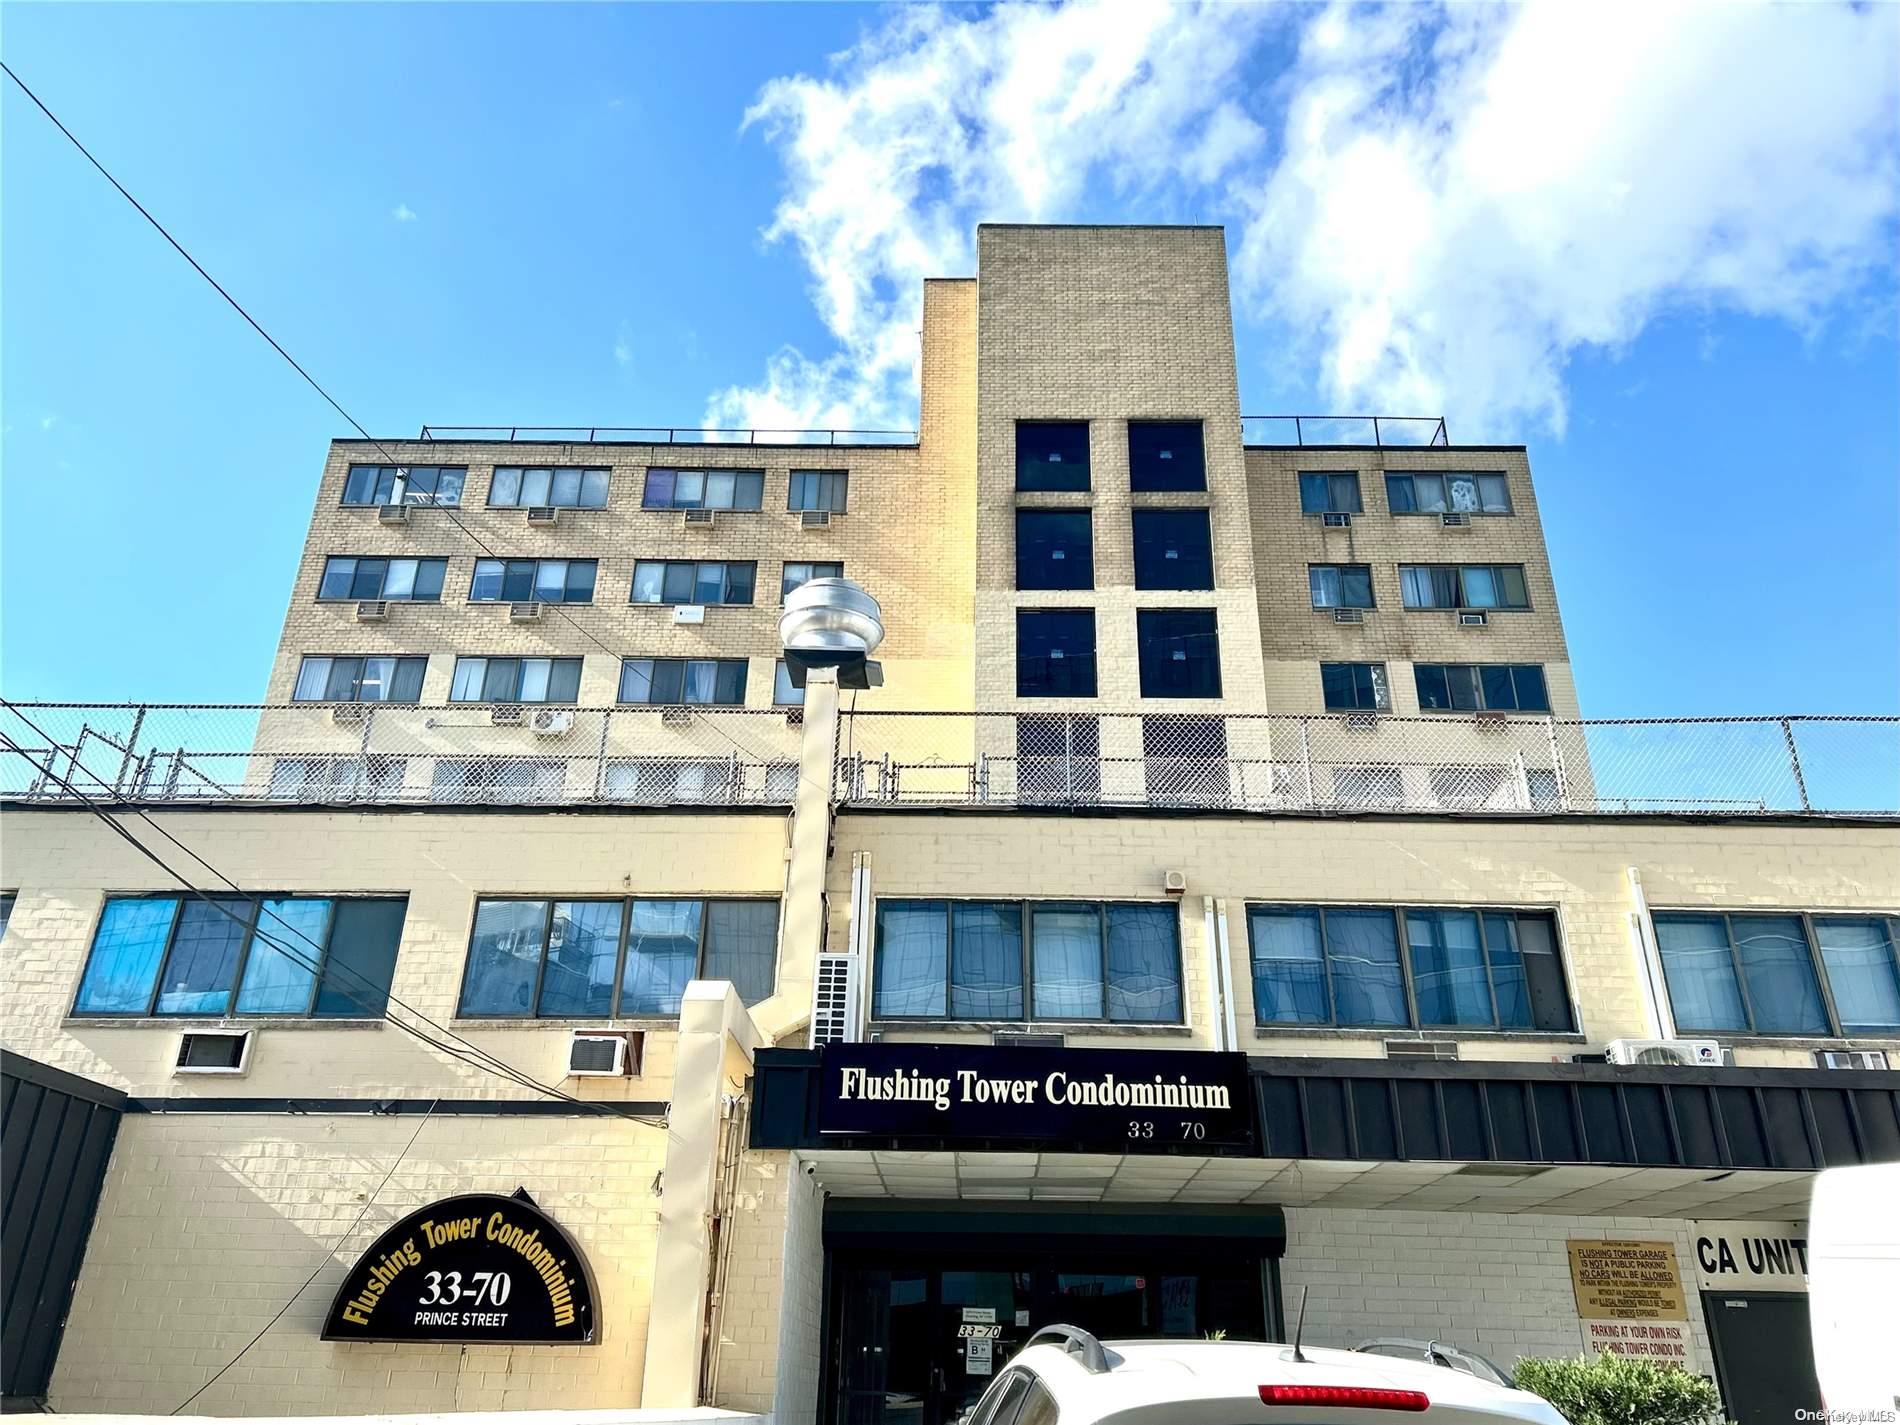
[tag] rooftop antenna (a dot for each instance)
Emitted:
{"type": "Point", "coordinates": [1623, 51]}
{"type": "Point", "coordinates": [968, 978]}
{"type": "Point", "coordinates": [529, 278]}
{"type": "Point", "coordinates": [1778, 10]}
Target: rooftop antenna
{"type": "Point", "coordinates": [1299, 1329]}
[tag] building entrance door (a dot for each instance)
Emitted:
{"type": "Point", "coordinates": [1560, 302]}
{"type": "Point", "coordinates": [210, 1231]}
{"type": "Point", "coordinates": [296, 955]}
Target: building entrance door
{"type": "Point", "coordinates": [1764, 1357]}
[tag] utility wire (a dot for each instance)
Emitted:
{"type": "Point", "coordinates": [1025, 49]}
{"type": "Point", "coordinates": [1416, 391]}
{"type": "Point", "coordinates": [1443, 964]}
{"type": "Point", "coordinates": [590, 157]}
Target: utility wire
{"type": "Point", "coordinates": [432, 501]}
{"type": "Point", "coordinates": [297, 1295]}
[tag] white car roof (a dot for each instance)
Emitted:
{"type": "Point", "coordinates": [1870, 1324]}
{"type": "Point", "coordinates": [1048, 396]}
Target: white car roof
{"type": "Point", "coordinates": [1219, 1381]}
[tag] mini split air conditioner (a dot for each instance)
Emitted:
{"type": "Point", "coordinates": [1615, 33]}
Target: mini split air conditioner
{"type": "Point", "coordinates": [528, 612]}
{"type": "Point", "coordinates": [836, 1009]}
{"type": "Point", "coordinates": [213, 1051]}
{"type": "Point", "coordinates": [372, 610]}
{"type": "Point", "coordinates": [1336, 519]}
{"type": "Point", "coordinates": [814, 519]}
{"type": "Point", "coordinates": [544, 514]}
{"type": "Point", "coordinates": [700, 519]}
{"type": "Point", "coordinates": [601, 1054]}
{"type": "Point", "coordinates": [552, 722]}
{"type": "Point", "coordinates": [1458, 520]}
{"type": "Point", "coordinates": [392, 514]}
{"type": "Point", "coordinates": [1676, 1053]}
{"type": "Point", "coordinates": [1850, 1059]}
{"type": "Point", "coordinates": [1349, 615]}
{"type": "Point", "coordinates": [1473, 618]}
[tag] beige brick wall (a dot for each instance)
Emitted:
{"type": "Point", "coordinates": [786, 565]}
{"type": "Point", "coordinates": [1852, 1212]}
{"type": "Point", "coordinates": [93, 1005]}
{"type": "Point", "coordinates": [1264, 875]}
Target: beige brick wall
{"type": "Point", "coordinates": [208, 1224]}
{"type": "Point", "coordinates": [1109, 324]}
{"type": "Point", "coordinates": [771, 1315]}
{"type": "Point", "coordinates": [1576, 868]}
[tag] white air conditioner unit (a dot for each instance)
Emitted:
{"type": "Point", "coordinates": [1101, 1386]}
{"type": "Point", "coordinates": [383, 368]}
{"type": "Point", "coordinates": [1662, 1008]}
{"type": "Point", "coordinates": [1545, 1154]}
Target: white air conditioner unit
{"type": "Point", "coordinates": [689, 613]}
{"type": "Point", "coordinates": [703, 519]}
{"type": "Point", "coordinates": [676, 717]}
{"type": "Point", "coordinates": [392, 514]}
{"type": "Point", "coordinates": [1678, 1053]}
{"type": "Point", "coordinates": [508, 715]}
{"type": "Point", "coordinates": [1362, 722]}
{"type": "Point", "coordinates": [544, 514]}
{"type": "Point", "coordinates": [1850, 1059]}
{"type": "Point", "coordinates": [1336, 519]}
{"type": "Point", "coordinates": [1473, 618]}
{"type": "Point", "coordinates": [1457, 520]}
{"type": "Point", "coordinates": [1490, 721]}
{"type": "Point", "coordinates": [1174, 883]}
{"type": "Point", "coordinates": [372, 610]}
{"type": "Point", "coordinates": [836, 1001]}
{"type": "Point", "coordinates": [528, 612]}
{"type": "Point", "coordinates": [814, 519]}
{"type": "Point", "coordinates": [599, 1054]}
{"type": "Point", "coordinates": [1420, 1049]}
{"type": "Point", "coordinates": [1349, 615]}
{"type": "Point", "coordinates": [552, 722]}
{"type": "Point", "coordinates": [213, 1051]}
{"type": "Point", "coordinates": [346, 714]}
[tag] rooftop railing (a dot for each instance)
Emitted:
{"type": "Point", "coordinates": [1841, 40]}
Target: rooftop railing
{"type": "Point", "coordinates": [532, 755]}
{"type": "Point", "coordinates": [669, 435]}
{"type": "Point", "coordinates": [1379, 431]}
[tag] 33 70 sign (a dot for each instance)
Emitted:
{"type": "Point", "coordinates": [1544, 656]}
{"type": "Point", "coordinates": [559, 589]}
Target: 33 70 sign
{"type": "Point", "coordinates": [478, 1268]}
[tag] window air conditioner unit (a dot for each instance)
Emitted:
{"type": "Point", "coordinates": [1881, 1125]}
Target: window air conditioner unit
{"type": "Point", "coordinates": [794, 717]}
{"type": "Point", "coordinates": [508, 715]}
{"type": "Point", "coordinates": [1362, 722]}
{"type": "Point", "coordinates": [213, 1051]}
{"type": "Point", "coordinates": [1420, 1049]}
{"type": "Point", "coordinates": [676, 717]}
{"type": "Point", "coordinates": [1850, 1059]}
{"type": "Point", "coordinates": [836, 1000]}
{"type": "Point", "coordinates": [1336, 519]}
{"type": "Point", "coordinates": [1473, 618]}
{"type": "Point", "coordinates": [544, 514]}
{"type": "Point", "coordinates": [1490, 721]}
{"type": "Point", "coordinates": [1676, 1053]}
{"type": "Point", "coordinates": [392, 514]}
{"type": "Point", "coordinates": [705, 519]}
{"type": "Point", "coordinates": [814, 519]}
{"type": "Point", "coordinates": [600, 1054]}
{"type": "Point", "coordinates": [346, 714]}
{"type": "Point", "coordinates": [1003, 1039]}
{"type": "Point", "coordinates": [689, 613]}
{"type": "Point", "coordinates": [529, 612]}
{"type": "Point", "coordinates": [372, 610]}
{"type": "Point", "coordinates": [1457, 520]}
{"type": "Point", "coordinates": [552, 722]}
{"type": "Point", "coordinates": [1349, 615]}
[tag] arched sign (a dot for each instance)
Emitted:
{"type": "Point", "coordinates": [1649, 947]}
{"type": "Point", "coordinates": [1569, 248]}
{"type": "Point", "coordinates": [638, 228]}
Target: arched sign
{"type": "Point", "coordinates": [476, 1269]}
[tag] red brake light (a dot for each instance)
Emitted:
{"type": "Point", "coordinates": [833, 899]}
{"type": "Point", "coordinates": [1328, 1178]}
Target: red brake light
{"type": "Point", "coordinates": [1367, 1397]}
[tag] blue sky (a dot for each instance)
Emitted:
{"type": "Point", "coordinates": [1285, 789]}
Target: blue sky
{"type": "Point", "coordinates": [1674, 284]}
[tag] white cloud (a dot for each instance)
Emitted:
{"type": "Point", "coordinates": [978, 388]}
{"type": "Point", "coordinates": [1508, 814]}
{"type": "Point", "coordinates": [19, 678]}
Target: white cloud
{"type": "Point", "coordinates": [623, 346]}
{"type": "Point", "coordinates": [403, 213]}
{"type": "Point", "coordinates": [1437, 207]}
{"type": "Point", "coordinates": [49, 420]}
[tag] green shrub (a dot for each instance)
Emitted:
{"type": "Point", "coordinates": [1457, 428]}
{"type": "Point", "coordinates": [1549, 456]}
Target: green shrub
{"type": "Point", "coordinates": [1617, 1390]}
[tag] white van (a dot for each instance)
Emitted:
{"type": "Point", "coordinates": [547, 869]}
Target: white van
{"type": "Point", "coordinates": [1854, 1287]}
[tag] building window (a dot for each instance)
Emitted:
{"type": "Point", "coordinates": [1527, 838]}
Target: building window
{"type": "Point", "coordinates": [1464, 586]}
{"type": "Point", "coordinates": [1036, 960]}
{"type": "Point", "coordinates": [1174, 549]}
{"type": "Point", "coordinates": [359, 680]}
{"type": "Point", "coordinates": [1329, 492]}
{"type": "Point", "coordinates": [1052, 455]}
{"type": "Point", "coordinates": [600, 959]}
{"type": "Point", "coordinates": [818, 490]}
{"type": "Point", "coordinates": [1179, 652]}
{"type": "Point", "coordinates": [1340, 586]}
{"type": "Point", "coordinates": [1481, 687]}
{"type": "Point", "coordinates": [511, 780]}
{"type": "Point", "coordinates": [1475, 787]}
{"type": "Point", "coordinates": [1462, 968]}
{"type": "Point", "coordinates": [410, 580]}
{"type": "Point", "coordinates": [665, 780]}
{"type": "Point", "coordinates": [569, 487]}
{"type": "Point", "coordinates": [516, 680]}
{"type": "Point", "coordinates": [404, 485]}
{"type": "Point", "coordinates": [1166, 455]}
{"type": "Point", "coordinates": [537, 581]}
{"type": "Point", "coordinates": [703, 490]}
{"type": "Point", "coordinates": [803, 573]}
{"type": "Point", "coordinates": [1058, 759]}
{"type": "Point", "coordinates": [6, 912]}
{"type": "Point", "coordinates": [1761, 974]}
{"type": "Point", "coordinates": [1184, 760]}
{"type": "Point", "coordinates": [1433, 494]}
{"type": "Point", "coordinates": [1370, 785]}
{"type": "Point", "coordinates": [785, 693]}
{"type": "Point", "coordinates": [338, 778]}
{"type": "Point", "coordinates": [1055, 653]}
{"type": "Point", "coordinates": [323, 956]}
{"type": "Point", "coordinates": [1055, 549]}
{"type": "Point", "coordinates": [687, 581]}
{"type": "Point", "coordinates": [1355, 687]}
{"type": "Point", "coordinates": [712, 682]}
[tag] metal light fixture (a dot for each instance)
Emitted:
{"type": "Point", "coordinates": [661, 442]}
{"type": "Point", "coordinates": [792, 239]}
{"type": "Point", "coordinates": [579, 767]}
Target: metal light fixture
{"type": "Point", "coordinates": [832, 623]}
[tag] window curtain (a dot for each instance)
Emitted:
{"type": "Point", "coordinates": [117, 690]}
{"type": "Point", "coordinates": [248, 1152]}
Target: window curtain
{"type": "Point", "coordinates": [1066, 943]}
{"type": "Point", "coordinates": [1363, 957]}
{"type": "Point", "coordinates": [1782, 988]}
{"type": "Point", "coordinates": [1859, 955]}
{"type": "Point", "coordinates": [1144, 964]}
{"type": "Point", "coordinates": [1289, 971]}
{"type": "Point", "coordinates": [986, 963]}
{"type": "Point", "coordinates": [912, 955]}
{"type": "Point", "coordinates": [1700, 973]}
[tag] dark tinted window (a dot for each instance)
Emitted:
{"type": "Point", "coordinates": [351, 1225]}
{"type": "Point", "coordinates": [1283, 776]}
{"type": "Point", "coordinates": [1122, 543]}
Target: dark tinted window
{"type": "Point", "coordinates": [1180, 653]}
{"type": "Point", "coordinates": [1166, 455]}
{"type": "Point", "coordinates": [1485, 687]}
{"type": "Point", "coordinates": [1354, 687]}
{"type": "Point", "coordinates": [1055, 549]}
{"type": "Point", "coordinates": [1173, 550]}
{"type": "Point", "coordinates": [1055, 653]}
{"type": "Point", "coordinates": [1052, 455]}
{"type": "Point", "coordinates": [1329, 492]}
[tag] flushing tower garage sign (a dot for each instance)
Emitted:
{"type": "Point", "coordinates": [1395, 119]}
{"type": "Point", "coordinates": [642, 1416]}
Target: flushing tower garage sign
{"type": "Point", "coordinates": [1109, 1100]}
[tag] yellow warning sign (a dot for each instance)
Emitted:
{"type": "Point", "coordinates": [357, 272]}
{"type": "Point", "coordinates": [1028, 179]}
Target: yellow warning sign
{"type": "Point", "coordinates": [1627, 1281]}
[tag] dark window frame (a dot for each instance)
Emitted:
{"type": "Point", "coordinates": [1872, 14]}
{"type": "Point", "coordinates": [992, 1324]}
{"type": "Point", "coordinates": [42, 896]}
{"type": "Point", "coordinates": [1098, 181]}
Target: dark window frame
{"type": "Point", "coordinates": [360, 658]}
{"type": "Point", "coordinates": [626, 904]}
{"type": "Point", "coordinates": [1145, 481]}
{"type": "Point", "coordinates": [1331, 506]}
{"type": "Point", "coordinates": [1142, 662]}
{"type": "Point", "coordinates": [1166, 514]}
{"type": "Point", "coordinates": [1444, 477]}
{"type": "Point", "coordinates": [579, 662]}
{"type": "Point", "coordinates": [1477, 671]}
{"type": "Point", "coordinates": [1074, 612]}
{"type": "Point", "coordinates": [534, 596]}
{"type": "Point", "coordinates": [1384, 678]}
{"type": "Point", "coordinates": [743, 664]}
{"type": "Point", "coordinates": [323, 577]}
{"type": "Point", "coordinates": [494, 474]}
{"type": "Point", "coordinates": [345, 502]}
{"type": "Point", "coordinates": [833, 489]}
{"type": "Point", "coordinates": [1025, 909]}
{"type": "Point", "coordinates": [1464, 603]}
{"type": "Point", "coordinates": [674, 471]}
{"type": "Point", "coordinates": [1085, 547]}
{"type": "Point", "coordinates": [1047, 485]}
{"type": "Point", "coordinates": [1816, 962]}
{"type": "Point", "coordinates": [1406, 977]}
{"type": "Point", "coordinates": [725, 599]}
{"type": "Point", "coordinates": [1372, 589]}
{"type": "Point", "coordinates": [243, 960]}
